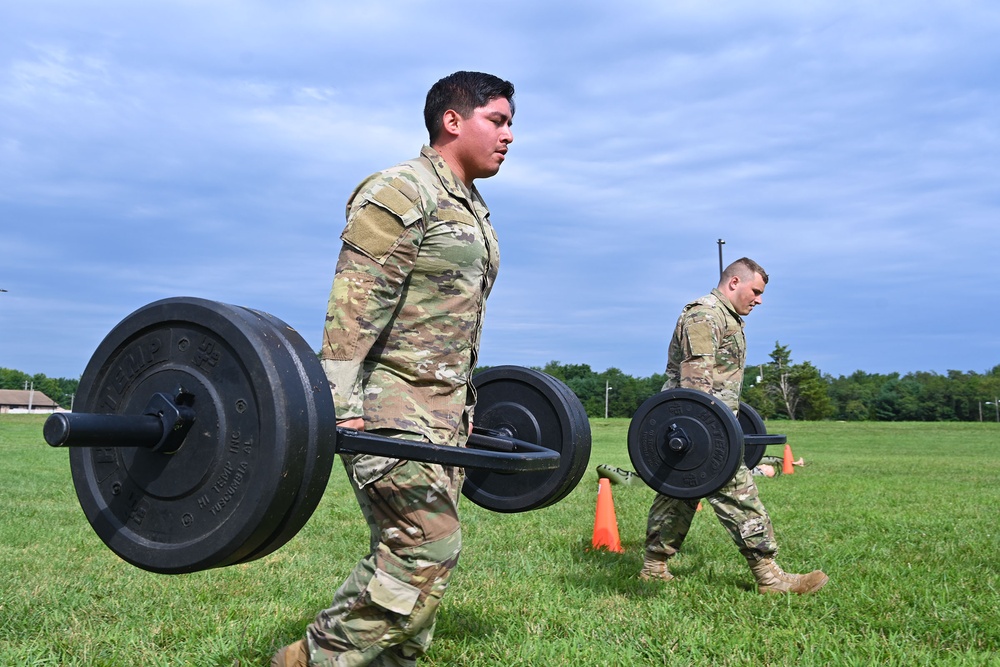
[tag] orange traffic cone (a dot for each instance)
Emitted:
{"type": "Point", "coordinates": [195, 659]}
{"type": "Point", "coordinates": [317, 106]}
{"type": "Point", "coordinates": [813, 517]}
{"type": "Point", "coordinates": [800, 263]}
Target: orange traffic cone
{"type": "Point", "coordinates": [606, 523]}
{"type": "Point", "coordinates": [786, 464]}
{"type": "Point", "coordinates": [698, 509]}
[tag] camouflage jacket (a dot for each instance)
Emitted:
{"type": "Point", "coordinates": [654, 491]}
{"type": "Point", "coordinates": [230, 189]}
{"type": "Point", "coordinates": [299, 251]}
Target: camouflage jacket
{"type": "Point", "coordinates": [406, 309]}
{"type": "Point", "coordinates": [708, 350]}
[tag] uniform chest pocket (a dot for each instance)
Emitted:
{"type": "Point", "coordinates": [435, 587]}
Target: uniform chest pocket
{"type": "Point", "coordinates": [451, 216]}
{"type": "Point", "coordinates": [733, 342]}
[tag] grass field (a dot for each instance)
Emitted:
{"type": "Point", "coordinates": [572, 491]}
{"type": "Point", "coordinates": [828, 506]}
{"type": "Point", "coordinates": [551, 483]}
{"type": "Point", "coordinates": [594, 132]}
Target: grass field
{"type": "Point", "coordinates": [903, 517]}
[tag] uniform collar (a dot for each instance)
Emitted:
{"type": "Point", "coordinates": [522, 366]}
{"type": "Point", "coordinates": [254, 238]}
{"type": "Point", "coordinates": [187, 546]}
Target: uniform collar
{"type": "Point", "coordinates": [727, 303]}
{"type": "Point", "coordinates": [448, 179]}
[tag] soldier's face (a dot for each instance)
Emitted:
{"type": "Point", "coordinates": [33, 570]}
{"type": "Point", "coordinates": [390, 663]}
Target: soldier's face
{"type": "Point", "coordinates": [747, 294]}
{"type": "Point", "coordinates": [482, 142]}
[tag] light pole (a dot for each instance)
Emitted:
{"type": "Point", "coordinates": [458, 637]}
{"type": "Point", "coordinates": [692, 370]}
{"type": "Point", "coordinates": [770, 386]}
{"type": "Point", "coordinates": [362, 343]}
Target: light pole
{"type": "Point", "coordinates": [721, 243]}
{"type": "Point", "coordinates": [607, 390]}
{"type": "Point", "coordinates": [996, 405]}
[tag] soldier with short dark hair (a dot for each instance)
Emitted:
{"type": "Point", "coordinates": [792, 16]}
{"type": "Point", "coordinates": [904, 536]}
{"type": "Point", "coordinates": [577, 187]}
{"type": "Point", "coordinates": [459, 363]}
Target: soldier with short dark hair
{"type": "Point", "coordinates": [708, 352]}
{"type": "Point", "coordinates": [402, 333]}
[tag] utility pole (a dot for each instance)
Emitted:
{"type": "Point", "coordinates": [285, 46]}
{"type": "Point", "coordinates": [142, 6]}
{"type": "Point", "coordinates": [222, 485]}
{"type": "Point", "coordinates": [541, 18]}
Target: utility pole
{"type": "Point", "coordinates": [721, 243]}
{"type": "Point", "coordinates": [607, 390]}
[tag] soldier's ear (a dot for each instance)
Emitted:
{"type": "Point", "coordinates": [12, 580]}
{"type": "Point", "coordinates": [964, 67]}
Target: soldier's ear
{"type": "Point", "coordinates": [451, 122]}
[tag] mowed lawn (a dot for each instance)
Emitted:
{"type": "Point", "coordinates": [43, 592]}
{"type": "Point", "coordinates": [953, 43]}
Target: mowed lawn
{"type": "Point", "coordinates": [903, 517]}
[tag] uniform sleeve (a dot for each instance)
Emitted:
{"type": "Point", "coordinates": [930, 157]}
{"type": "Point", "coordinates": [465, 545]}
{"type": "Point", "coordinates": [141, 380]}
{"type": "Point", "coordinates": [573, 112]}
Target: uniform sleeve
{"type": "Point", "coordinates": [699, 340]}
{"type": "Point", "coordinates": [381, 242]}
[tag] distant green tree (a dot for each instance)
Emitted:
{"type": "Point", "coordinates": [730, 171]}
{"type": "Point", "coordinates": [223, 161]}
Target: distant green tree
{"type": "Point", "coordinates": [11, 379]}
{"type": "Point", "coordinates": [620, 393]}
{"type": "Point", "coordinates": [853, 396]}
{"type": "Point", "coordinates": [988, 389]}
{"type": "Point", "coordinates": [582, 380]}
{"type": "Point", "coordinates": [813, 391]}
{"type": "Point", "coordinates": [625, 393]}
{"type": "Point", "coordinates": [786, 390]}
{"type": "Point", "coordinates": [782, 385]}
{"type": "Point", "coordinates": [756, 393]}
{"type": "Point", "coordinates": [899, 400]}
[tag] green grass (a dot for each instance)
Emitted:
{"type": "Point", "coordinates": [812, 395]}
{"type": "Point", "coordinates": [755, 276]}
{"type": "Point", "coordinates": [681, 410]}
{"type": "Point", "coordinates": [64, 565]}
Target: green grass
{"type": "Point", "coordinates": [903, 517]}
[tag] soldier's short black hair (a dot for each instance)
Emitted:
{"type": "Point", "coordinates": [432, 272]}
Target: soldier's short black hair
{"type": "Point", "coordinates": [742, 267]}
{"type": "Point", "coordinates": [463, 92]}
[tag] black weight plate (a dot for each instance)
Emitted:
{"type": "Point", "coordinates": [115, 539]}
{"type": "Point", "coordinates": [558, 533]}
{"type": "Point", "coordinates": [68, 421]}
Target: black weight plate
{"type": "Point", "coordinates": [579, 416]}
{"type": "Point", "coordinates": [752, 424]}
{"type": "Point", "coordinates": [313, 403]}
{"type": "Point", "coordinates": [228, 487]}
{"type": "Point", "coordinates": [713, 456]}
{"type": "Point", "coordinates": [535, 407]}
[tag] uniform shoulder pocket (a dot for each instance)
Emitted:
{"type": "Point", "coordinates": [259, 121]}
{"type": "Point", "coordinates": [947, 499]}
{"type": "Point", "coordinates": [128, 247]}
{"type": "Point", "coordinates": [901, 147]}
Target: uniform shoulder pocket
{"type": "Point", "coordinates": [699, 335]}
{"type": "Point", "coordinates": [378, 220]}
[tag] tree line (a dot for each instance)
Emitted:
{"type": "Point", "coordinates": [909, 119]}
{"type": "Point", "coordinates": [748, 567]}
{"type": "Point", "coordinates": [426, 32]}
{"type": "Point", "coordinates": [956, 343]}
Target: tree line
{"type": "Point", "coordinates": [781, 389]}
{"type": "Point", "coordinates": [777, 389]}
{"type": "Point", "coordinates": [784, 390]}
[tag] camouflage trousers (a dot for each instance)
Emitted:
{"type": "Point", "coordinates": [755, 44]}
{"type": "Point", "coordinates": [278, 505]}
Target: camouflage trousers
{"type": "Point", "coordinates": [738, 507]}
{"type": "Point", "coordinates": [384, 613]}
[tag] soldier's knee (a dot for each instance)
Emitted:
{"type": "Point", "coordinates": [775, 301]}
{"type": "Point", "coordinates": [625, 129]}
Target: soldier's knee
{"type": "Point", "coordinates": [753, 527]}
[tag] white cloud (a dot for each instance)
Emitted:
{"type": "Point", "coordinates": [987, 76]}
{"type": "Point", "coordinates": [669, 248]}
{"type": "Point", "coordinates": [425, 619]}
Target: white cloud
{"type": "Point", "coordinates": [149, 150]}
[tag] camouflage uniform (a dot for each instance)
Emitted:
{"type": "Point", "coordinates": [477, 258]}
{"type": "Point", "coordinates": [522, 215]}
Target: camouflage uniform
{"type": "Point", "coordinates": [401, 339]}
{"type": "Point", "coordinates": [708, 353]}
{"type": "Point", "coordinates": [775, 462]}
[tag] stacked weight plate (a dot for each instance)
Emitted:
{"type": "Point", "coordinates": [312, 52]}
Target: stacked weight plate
{"type": "Point", "coordinates": [255, 461]}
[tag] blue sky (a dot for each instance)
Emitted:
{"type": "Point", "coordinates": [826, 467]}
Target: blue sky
{"type": "Point", "coordinates": [160, 149]}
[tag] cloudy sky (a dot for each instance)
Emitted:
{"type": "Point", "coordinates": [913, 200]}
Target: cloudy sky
{"type": "Point", "coordinates": [157, 149]}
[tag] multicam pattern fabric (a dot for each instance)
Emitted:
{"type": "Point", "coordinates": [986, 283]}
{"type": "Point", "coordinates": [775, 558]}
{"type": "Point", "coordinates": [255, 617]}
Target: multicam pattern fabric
{"type": "Point", "coordinates": [384, 612]}
{"type": "Point", "coordinates": [708, 353]}
{"type": "Point", "coordinates": [775, 462]}
{"type": "Point", "coordinates": [406, 309]}
{"type": "Point", "coordinates": [401, 340]}
{"type": "Point", "coordinates": [709, 350]}
{"type": "Point", "coordinates": [738, 508]}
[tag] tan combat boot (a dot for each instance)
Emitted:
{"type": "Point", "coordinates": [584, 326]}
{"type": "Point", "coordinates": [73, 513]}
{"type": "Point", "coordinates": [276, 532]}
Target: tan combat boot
{"type": "Point", "coordinates": [772, 579]}
{"type": "Point", "coordinates": [293, 655]}
{"type": "Point", "coordinates": [654, 570]}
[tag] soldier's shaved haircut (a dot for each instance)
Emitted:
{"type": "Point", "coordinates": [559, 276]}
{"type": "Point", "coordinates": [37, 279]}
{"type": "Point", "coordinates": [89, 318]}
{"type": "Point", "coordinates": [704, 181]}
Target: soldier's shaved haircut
{"type": "Point", "coordinates": [744, 268]}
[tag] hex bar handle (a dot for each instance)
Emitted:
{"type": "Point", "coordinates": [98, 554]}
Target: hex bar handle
{"type": "Point", "coordinates": [498, 441]}
{"type": "Point", "coordinates": [765, 439]}
{"type": "Point", "coordinates": [490, 450]}
{"type": "Point", "coordinates": [481, 452]}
